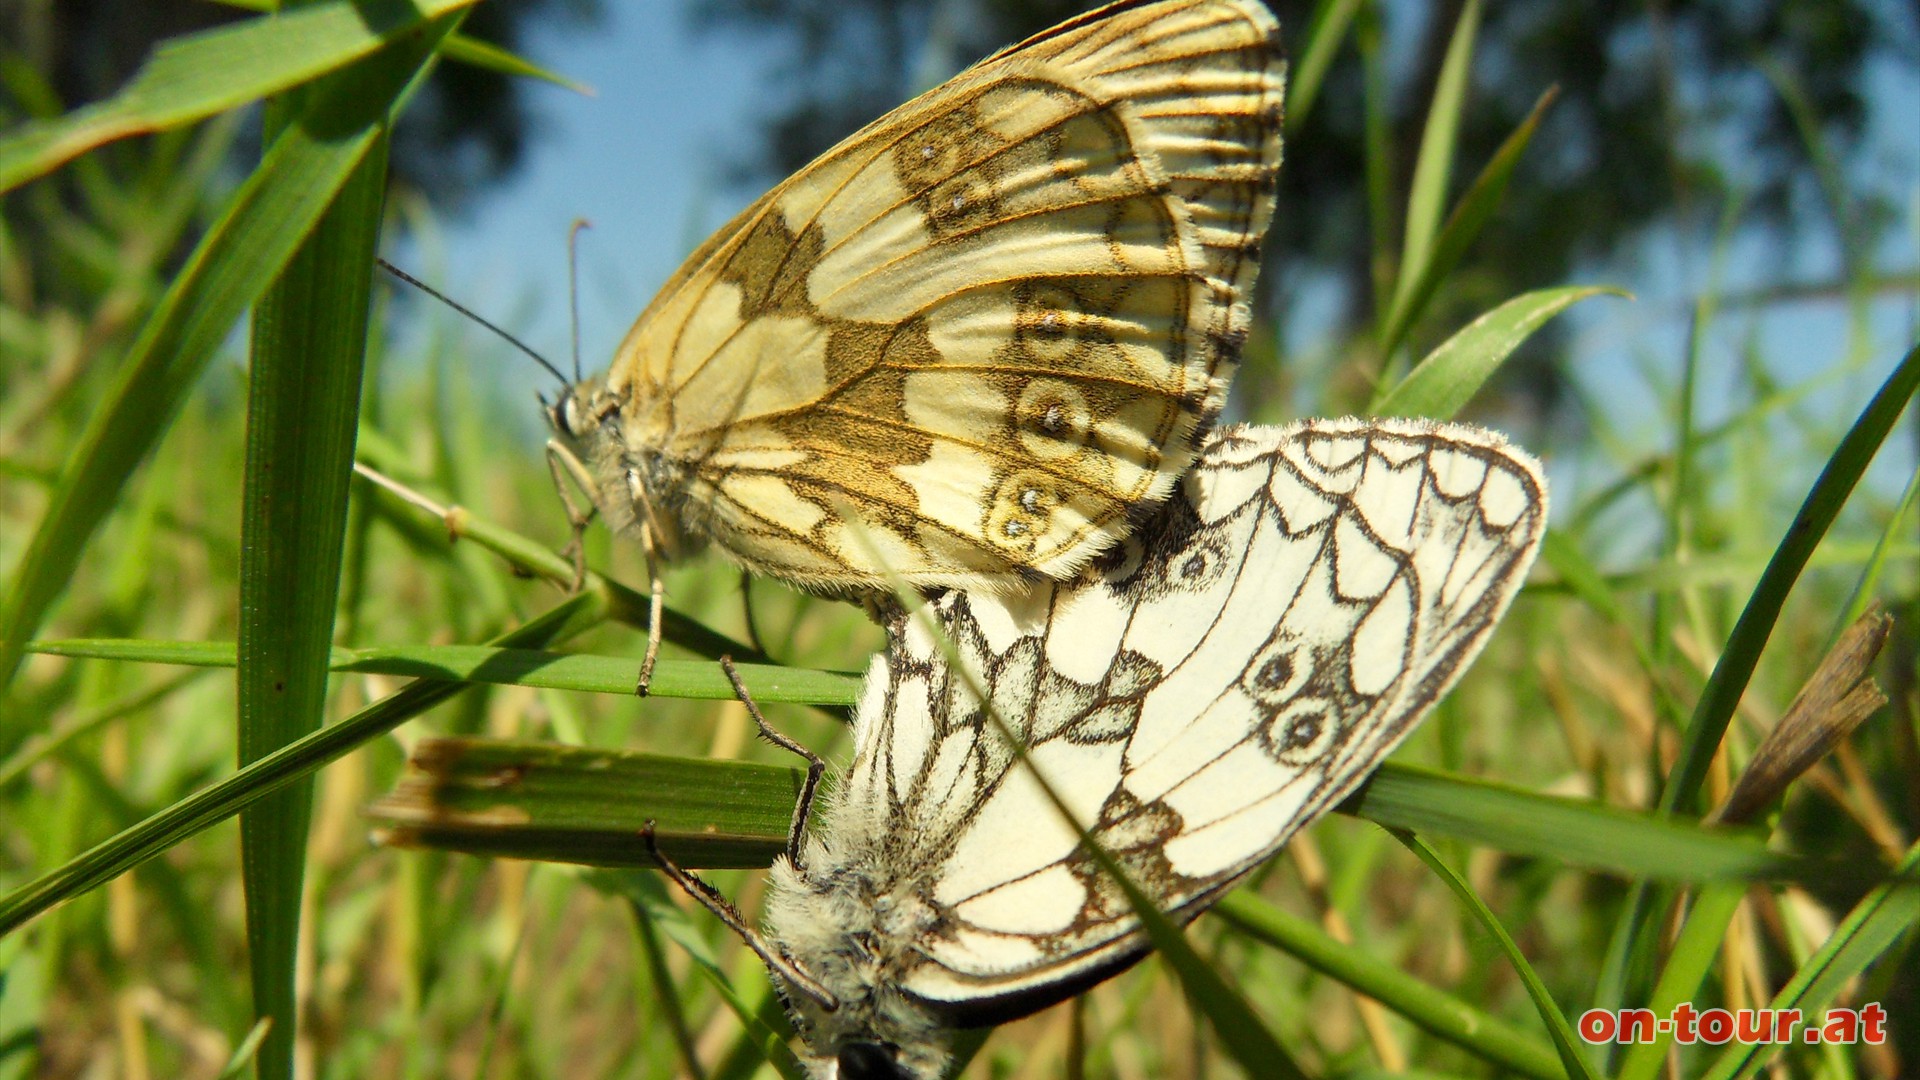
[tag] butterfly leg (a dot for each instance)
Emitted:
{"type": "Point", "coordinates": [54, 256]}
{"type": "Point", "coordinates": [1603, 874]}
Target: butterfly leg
{"type": "Point", "coordinates": [803, 806]}
{"type": "Point", "coordinates": [656, 605]}
{"type": "Point", "coordinates": [564, 466]}
{"type": "Point", "coordinates": [709, 897]}
{"type": "Point", "coordinates": [746, 609]}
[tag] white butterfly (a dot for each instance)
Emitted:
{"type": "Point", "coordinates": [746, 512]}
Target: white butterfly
{"type": "Point", "coordinates": [1222, 678]}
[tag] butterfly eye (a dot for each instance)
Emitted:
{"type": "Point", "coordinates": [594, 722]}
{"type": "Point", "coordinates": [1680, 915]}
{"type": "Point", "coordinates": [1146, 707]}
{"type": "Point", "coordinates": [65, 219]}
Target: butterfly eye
{"type": "Point", "coordinates": [561, 415]}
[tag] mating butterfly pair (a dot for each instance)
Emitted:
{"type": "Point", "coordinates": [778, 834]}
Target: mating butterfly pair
{"type": "Point", "coordinates": [978, 346]}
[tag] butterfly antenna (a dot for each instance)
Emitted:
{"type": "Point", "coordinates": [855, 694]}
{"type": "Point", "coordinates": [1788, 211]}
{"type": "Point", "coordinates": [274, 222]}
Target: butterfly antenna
{"type": "Point", "coordinates": [471, 314]}
{"type": "Point", "coordinates": [573, 286]}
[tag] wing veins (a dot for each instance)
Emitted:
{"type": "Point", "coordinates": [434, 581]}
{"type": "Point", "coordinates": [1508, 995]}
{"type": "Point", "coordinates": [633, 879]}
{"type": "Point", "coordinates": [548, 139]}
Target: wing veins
{"type": "Point", "coordinates": [828, 408]}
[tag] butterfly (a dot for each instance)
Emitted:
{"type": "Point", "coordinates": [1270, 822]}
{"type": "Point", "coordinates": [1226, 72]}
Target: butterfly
{"type": "Point", "coordinates": [973, 343]}
{"type": "Point", "coordinates": [1218, 680]}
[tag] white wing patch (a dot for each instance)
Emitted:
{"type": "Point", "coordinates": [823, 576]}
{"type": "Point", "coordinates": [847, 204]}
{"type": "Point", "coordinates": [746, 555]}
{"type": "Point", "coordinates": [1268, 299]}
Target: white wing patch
{"type": "Point", "coordinates": [1225, 675]}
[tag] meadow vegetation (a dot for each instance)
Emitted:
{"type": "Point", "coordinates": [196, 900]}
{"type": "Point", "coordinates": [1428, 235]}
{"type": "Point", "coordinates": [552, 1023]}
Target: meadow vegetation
{"type": "Point", "coordinates": [190, 571]}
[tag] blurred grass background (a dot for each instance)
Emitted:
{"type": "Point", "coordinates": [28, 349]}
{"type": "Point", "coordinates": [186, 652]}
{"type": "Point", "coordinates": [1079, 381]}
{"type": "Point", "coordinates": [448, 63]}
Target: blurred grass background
{"type": "Point", "coordinates": [153, 491]}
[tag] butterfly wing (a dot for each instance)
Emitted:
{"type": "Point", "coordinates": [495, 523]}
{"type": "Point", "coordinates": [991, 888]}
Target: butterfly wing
{"type": "Point", "coordinates": [971, 341]}
{"type": "Point", "coordinates": [1238, 667]}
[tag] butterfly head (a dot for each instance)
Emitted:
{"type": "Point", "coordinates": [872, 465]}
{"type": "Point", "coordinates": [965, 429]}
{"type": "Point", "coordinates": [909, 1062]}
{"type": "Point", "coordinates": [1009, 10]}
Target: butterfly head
{"type": "Point", "coordinates": [853, 1018]}
{"type": "Point", "coordinates": [630, 481]}
{"type": "Point", "coordinates": [582, 412]}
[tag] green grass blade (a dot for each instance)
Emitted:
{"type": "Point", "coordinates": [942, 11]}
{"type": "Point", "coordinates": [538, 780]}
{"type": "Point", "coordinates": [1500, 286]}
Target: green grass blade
{"type": "Point", "coordinates": [698, 679]}
{"type": "Point", "coordinates": [1452, 373]}
{"type": "Point", "coordinates": [230, 268]}
{"type": "Point", "coordinates": [1687, 965]}
{"type": "Point", "coordinates": [465, 778]}
{"type": "Point", "coordinates": [1463, 227]}
{"type": "Point", "coordinates": [484, 54]}
{"type": "Point", "coordinates": [224, 799]}
{"type": "Point", "coordinates": [1428, 1007]}
{"type": "Point", "coordinates": [1739, 568]}
{"type": "Point", "coordinates": [1564, 1039]}
{"type": "Point", "coordinates": [194, 77]}
{"type": "Point", "coordinates": [1433, 169]}
{"type": "Point", "coordinates": [575, 804]}
{"type": "Point", "coordinates": [1572, 831]}
{"type": "Point", "coordinates": [460, 48]}
{"type": "Point", "coordinates": [309, 348]}
{"type": "Point", "coordinates": [1730, 675]}
{"type": "Point", "coordinates": [242, 1060]}
{"type": "Point", "coordinates": [1326, 30]}
{"type": "Point", "coordinates": [1377, 99]}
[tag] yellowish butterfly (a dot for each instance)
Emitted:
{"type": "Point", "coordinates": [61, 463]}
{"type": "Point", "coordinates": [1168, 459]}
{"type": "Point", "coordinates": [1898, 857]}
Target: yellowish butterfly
{"type": "Point", "coordinates": [975, 342]}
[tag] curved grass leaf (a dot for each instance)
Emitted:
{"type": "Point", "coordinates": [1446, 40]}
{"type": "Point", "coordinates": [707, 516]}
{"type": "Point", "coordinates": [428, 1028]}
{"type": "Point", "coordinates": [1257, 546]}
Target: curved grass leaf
{"type": "Point", "coordinates": [459, 48]}
{"type": "Point", "coordinates": [1564, 1039]}
{"type": "Point", "coordinates": [485, 55]}
{"type": "Point", "coordinates": [1701, 738]}
{"type": "Point", "coordinates": [1325, 33]}
{"type": "Point", "coordinates": [1452, 373]}
{"type": "Point", "coordinates": [228, 271]}
{"type": "Point", "coordinates": [194, 77]}
{"type": "Point", "coordinates": [1469, 217]}
{"type": "Point", "coordinates": [1433, 168]}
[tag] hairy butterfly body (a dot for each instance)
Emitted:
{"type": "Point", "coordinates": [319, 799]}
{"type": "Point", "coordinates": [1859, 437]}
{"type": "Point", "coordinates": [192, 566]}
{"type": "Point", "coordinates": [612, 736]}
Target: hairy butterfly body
{"type": "Point", "coordinates": [1216, 682]}
{"type": "Point", "coordinates": [976, 341]}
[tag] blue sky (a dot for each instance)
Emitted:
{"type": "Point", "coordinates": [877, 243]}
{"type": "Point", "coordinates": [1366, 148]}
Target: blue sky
{"type": "Point", "coordinates": [640, 160]}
